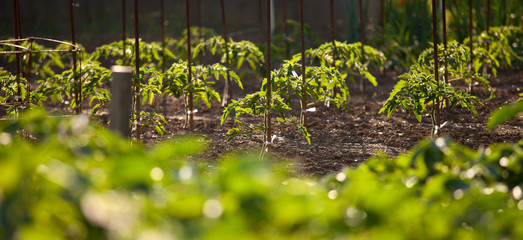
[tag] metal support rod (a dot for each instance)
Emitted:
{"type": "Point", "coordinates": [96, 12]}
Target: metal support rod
{"type": "Point", "coordinates": [78, 89]}
{"type": "Point", "coordinates": [488, 22]}
{"type": "Point", "coordinates": [382, 13]}
{"type": "Point", "coordinates": [303, 118]}
{"type": "Point", "coordinates": [18, 19]}
{"type": "Point", "coordinates": [436, 68]}
{"type": "Point", "coordinates": [260, 19]}
{"type": "Point", "coordinates": [471, 44]}
{"type": "Point", "coordinates": [444, 20]}
{"type": "Point", "coordinates": [162, 32]}
{"type": "Point", "coordinates": [189, 62]}
{"type": "Point", "coordinates": [227, 92]}
{"type": "Point", "coordinates": [333, 40]}
{"type": "Point", "coordinates": [286, 29]}
{"type": "Point", "coordinates": [124, 30]}
{"type": "Point", "coordinates": [362, 40]}
{"type": "Point", "coordinates": [137, 98]}
{"type": "Point", "coordinates": [268, 122]}
{"type": "Point", "coordinates": [17, 36]}
{"type": "Point", "coordinates": [28, 78]}
{"type": "Point", "coordinates": [199, 18]}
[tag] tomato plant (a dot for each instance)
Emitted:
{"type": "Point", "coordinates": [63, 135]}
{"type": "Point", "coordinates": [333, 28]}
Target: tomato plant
{"type": "Point", "coordinates": [176, 78]}
{"type": "Point", "coordinates": [418, 91]}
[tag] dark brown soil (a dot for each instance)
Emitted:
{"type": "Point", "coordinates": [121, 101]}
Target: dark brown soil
{"type": "Point", "coordinates": [340, 138]}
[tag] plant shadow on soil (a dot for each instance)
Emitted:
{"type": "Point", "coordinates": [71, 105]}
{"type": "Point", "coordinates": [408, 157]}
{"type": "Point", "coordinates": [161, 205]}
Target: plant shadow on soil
{"type": "Point", "coordinates": [346, 139]}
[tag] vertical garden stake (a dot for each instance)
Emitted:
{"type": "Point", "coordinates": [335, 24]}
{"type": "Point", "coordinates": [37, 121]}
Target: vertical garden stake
{"type": "Point", "coordinates": [124, 32]}
{"type": "Point", "coordinates": [268, 124]}
{"type": "Point", "coordinates": [362, 40]}
{"type": "Point", "coordinates": [382, 13]}
{"type": "Point", "coordinates": [285, 29]}
{"type": "Point", "coordinates": [199, 18]}
{"type": "Point", "coordinates": [16, 14]}
{"type": "Point", "coordinates": [260, 19]}
{"type": "Point", "coordinates": [137, 100]}
{"type": "Point", "coordinates": [333, 40]}
{"type": "Point", "coordinates": [78, 93]}
{"type": "Point", "coordinates": [303, 117]}
{"type": "Point", "coordinates": [471, 44]}
{"type": "Point", "coordinates": [444, 19]}
{"type": "Point", "coordinates": [227, 89]}
{"type": "Point", "coordinates": [189, 64]}
{"type": "Point", "coordinates": [436, 103]}
{"type": "Point", "coordinates": [162, 32]}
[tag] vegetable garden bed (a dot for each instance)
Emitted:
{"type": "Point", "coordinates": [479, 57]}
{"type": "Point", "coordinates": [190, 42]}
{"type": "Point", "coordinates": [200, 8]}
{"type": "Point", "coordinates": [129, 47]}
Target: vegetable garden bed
{"type": "Point", "coordinates": [340, 138]}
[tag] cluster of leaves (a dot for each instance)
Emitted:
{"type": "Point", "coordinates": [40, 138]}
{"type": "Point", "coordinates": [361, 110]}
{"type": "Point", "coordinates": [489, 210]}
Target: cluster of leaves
{"type": "Point", "coordinates": [238, 53]}
{"type": "Point", "coordinates": [418, 90]}
{"type": "Point", "coordinates": [324, 82]}
{"type": "Point", "coordinates": [151, 54]}
{"type": "Point", "coordinates": [503, 44]}
{"type": "Point", "coordinates": [81, 182]}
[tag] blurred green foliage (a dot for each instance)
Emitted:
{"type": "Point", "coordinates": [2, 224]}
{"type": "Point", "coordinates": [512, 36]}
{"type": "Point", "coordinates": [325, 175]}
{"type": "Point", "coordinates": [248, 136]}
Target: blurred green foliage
{"type": "Point", "coordinates": [62, 178]}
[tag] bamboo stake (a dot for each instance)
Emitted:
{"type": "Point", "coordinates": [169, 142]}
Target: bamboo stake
{"type": "Point", "coordinates": [137, 96]}
{"type": "Point", "coordinates": [189, 63]}
{"type": "Point", "coordinates": [78, 94]}
{"type": "Point", "coordinates": [227, 92]}
{"type": "Point", "coordinates": [303, 117]}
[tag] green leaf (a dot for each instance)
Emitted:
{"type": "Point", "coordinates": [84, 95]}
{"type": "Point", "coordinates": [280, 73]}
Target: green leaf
{"type": "Point", "coordinates": [504, 114]}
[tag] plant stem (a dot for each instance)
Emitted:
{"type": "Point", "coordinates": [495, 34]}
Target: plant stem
{"type": "Point", "coordinates": [333, 40]}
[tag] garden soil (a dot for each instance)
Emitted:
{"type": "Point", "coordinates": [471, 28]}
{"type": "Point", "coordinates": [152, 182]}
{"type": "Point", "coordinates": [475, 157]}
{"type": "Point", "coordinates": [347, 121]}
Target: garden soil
{"type": "Point", "coordinates": [346, 139]}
